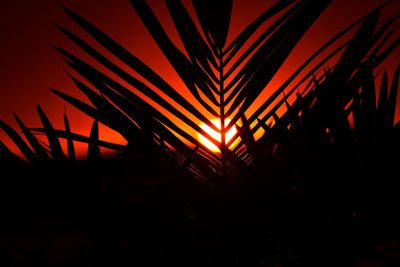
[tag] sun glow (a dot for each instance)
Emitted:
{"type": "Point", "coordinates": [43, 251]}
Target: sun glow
{"type": "Point", "coordinates": [216, 135]}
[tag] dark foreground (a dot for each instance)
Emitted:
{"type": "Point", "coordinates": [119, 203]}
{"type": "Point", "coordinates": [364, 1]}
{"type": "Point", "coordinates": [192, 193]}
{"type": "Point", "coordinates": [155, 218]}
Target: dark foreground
{"type": "Point", "coordinates": [129, 213]}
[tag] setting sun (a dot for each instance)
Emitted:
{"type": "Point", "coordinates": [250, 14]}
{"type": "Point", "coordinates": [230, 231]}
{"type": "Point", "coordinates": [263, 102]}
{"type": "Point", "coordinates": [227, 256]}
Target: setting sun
{"type": "Point", "coordinates": [215, 134]}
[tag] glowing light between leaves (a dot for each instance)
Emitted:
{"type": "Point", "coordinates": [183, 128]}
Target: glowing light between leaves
{"type": "Point", "coordinates": [216, 135]}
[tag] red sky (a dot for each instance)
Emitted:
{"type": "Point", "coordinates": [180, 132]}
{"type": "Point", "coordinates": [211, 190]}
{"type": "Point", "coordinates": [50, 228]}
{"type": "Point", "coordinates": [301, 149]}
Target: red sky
{"type": "Point", "coordinates": [28, 66]}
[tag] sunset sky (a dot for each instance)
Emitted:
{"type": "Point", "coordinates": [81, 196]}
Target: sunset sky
{"type": "Point", "coordinates": [28, 66]}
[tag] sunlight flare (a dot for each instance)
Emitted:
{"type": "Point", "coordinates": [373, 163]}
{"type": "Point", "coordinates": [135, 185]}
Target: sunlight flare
{"type": "Point", "coordinates": [216, 135]}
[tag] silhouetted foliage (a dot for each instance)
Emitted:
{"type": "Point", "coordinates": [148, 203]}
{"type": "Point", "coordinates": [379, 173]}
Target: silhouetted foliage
{"type": "Point", "coordinates": [318, 188]}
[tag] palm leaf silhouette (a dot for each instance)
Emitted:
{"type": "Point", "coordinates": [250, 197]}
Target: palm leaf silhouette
{"type": "Point", "coordinates": [37, 151]}
{"type": "Point", "coordinates": [224, 79]}
{"type": "Point", "coordinates": [328, 154]}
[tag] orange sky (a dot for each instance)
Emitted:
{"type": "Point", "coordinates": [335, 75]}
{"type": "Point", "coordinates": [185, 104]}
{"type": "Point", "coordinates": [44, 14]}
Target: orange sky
{"type": "Point", "coordinates": [28, 66]}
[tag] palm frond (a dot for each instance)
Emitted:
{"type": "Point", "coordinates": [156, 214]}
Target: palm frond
{"type": "Point", "coordinates": [225, 79]}
{"type": "Point", "coordinates": [19, 142]}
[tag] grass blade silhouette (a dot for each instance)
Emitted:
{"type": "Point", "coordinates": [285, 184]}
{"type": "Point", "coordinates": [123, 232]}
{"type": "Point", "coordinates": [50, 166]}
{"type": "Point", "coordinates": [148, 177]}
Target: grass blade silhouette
{"type": "Point", "coordinates": [392, 102]}
{"type": "Point", "coordinates": [93, 148]}
{"type": "Point", "coordinates": [70, 140]}
{"type": "Point", "coordinates": [40, 152]}
{"type": "Point", "coordinates": [51, 135]}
